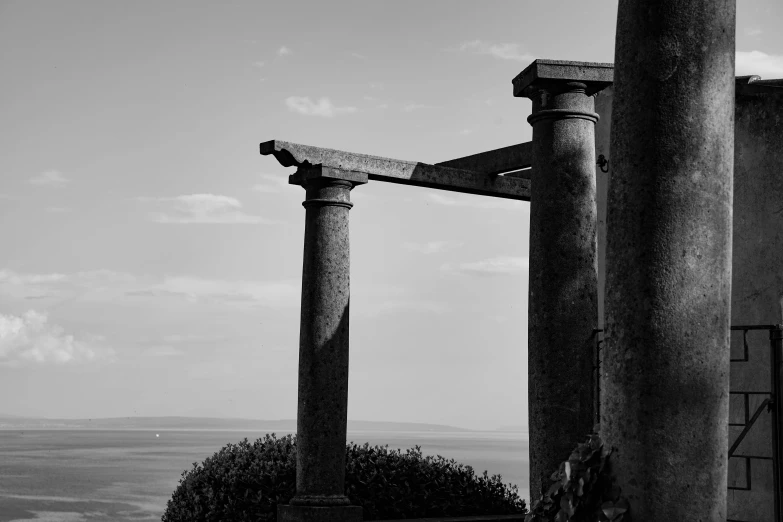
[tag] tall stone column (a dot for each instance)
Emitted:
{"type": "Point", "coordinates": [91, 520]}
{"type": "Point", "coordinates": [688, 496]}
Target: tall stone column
{"type": "Point", "coordinates": [666, 383]}
{"type": "Point", "coordinates": [563, 264]}
{"type": "Point", "coordinates": [322, 416]}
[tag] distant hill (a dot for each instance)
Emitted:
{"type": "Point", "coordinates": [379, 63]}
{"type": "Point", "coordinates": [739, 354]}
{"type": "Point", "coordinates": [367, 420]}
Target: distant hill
{"type": "Point", "coordinates": [205, 423]}
{"type": "Point", "coordinates": [516, 428]}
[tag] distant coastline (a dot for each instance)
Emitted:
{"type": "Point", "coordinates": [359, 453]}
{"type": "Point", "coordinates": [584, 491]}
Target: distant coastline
{"type": "Point", "coordinates": [8, 422]}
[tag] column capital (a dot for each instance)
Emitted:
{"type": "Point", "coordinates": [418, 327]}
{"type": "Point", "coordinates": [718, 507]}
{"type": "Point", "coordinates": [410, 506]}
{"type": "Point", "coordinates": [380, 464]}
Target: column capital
{"type": "Point", "coordinates": [308, 173]}
{"type": "Point", "coordinates": [557, 74]}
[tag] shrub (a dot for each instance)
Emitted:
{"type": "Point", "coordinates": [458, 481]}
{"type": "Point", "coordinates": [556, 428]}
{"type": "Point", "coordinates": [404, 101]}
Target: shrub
{"type": "Point", "coordinates": [246, 482]}
{"type": "Point", "coordinates": [582, 489]}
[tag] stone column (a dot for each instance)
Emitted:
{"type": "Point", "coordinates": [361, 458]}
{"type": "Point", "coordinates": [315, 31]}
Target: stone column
{"type": "Point", "coordinates": [322, 415]}
{"type": "Point", "coordinates": [666, 381]}
{"type": "Point", "coordinates": [563, 265]}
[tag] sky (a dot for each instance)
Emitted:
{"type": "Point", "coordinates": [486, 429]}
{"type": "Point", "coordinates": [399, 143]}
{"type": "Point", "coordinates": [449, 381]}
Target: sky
{"type": "Point", "coordinates": [151, 258]}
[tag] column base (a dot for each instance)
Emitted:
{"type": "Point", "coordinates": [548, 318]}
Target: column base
{"type": "Point", "coordinates": [288, 513]}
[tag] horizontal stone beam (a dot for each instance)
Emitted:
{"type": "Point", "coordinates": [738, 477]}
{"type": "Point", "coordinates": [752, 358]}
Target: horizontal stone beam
{"type": "Point", "coordinates": [498, 161]}
{"type": "Point", "coordinates": [398, 171]}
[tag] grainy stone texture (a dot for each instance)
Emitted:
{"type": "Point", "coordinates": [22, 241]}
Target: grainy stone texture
{"type": "Point", "coordinates": [286, 513]}
{"type": "Point", "coordinates": [757, 274]}
{"type": "Point", "coordinates": [665, 402]}
{"type": "Point", "coordinates": [563, 284]}
{"type": "Point", "coordinates": [322, 415]}
{"type": "Point", "coordinates": [403, 172]}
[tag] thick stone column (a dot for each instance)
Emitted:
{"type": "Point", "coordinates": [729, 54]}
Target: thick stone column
{"type": "Point", "coordinates": [563, 265]}
{"type": "Point", "coordinates": [322, 415]}
{"type": "Point", "coordinates": [666, 402]}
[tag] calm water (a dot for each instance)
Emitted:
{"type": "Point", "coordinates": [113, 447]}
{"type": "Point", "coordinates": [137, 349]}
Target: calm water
{"type": "Point", "coordinates": [77, 476]}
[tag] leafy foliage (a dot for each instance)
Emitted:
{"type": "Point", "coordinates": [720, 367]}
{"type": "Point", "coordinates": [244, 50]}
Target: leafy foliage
{"type": "Point", "coordinates": [246, 482]}
{"type": "Point", "coordinates": [582, 490]}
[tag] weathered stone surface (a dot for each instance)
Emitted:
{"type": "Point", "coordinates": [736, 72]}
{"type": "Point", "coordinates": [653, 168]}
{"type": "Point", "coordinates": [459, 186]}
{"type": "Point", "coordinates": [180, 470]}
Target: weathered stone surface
{"type": "Point", "coordinates": [594, 75]}
{"type": "Point", "coordinates": [563, 284]}
{"type": "Point", "coordinates": [497, 161]}
{"type": "Point", "coordinates": [665, 393]}
{"type": "Point", "coordinates": [399, 171]}
{"type": "Point", "coordinates": [322, 415]}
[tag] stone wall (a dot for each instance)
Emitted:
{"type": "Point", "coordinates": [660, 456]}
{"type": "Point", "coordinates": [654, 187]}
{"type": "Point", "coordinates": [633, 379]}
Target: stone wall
{"type": "Point", "coordinates": [757, 278]}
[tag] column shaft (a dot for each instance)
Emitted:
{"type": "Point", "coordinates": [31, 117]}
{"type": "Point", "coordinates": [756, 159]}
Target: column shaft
{"type": "Point", "coordinates": [322, 415]}
{"type": "Point", "coordinates": [563, 276]}
{"type": "Point", "coordinates": [666, 361]}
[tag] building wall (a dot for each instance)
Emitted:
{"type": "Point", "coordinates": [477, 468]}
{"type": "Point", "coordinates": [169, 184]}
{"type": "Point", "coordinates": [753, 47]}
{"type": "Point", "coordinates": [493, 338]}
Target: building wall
{"type": "Point", "coordinates": [757, 273]}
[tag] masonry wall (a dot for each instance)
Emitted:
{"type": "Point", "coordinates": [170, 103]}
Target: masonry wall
{"type": "Point", "coordinates": [757, 276]}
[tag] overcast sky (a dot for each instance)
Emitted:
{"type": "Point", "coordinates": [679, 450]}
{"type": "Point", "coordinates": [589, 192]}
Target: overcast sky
{"type": "Point", "coordinates": [151, 258]}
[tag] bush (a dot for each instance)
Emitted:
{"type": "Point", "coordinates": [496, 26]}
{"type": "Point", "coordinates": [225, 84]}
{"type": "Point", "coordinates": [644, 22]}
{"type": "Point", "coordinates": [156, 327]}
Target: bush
{"type": "Point", "coordinates": [582, 489]}
{"type": "Point", "coordinates": [246, 482]}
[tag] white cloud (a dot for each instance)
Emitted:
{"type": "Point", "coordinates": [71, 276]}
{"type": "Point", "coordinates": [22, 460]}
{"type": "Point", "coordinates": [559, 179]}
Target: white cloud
{"type": "Point", "coordinates": [475, 202]}
{"type": "Point", "coordinates": [203, 208]}
{"type": "Point", "coordinates": [275, 183]}
{"type": "Point", "coordinates": [753, 31]}
{"type": "Point", "coordinates": [258, 64]}
{"type": "Point", "coordinates": [432, 247]}
{"type": "Point", "coordinates": [283, 51]}
{"type": "Point", "coordinates": [108, 286]}
{"type": "Point", "coordinates": [57, 210]}
{"type": "Point", "coordinates": [359, 55]}
{"type": "Point", "coordinates": [383, 106]}
{"type": "Point", "coordinates": [465, 132]}
{"type": "Point", "coordinates": [504, 51]}
{"type": "Point", "coordinates": [404, 305]}
{"type": "Point", "coordinates": [50, 178]}
{"type": "Point", "coordinates": [416, 106]}
{"type": "Point", "coordinates": [768, 66]}
{"type": "Point", "coordinates": [162, 351]}
{"type": "Point", "coordinates": [323, 107]}
{"type": "Point", "coordinates": [32, 339]}
{"type": "Point", "coordinates": [492, 266]}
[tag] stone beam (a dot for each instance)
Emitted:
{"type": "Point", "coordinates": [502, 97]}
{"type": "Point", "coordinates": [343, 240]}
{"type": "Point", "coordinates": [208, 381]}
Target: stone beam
{"type": "Point", "coordinates": [498, 161]}
{"type": "Point", "coordinates": [398, 171]}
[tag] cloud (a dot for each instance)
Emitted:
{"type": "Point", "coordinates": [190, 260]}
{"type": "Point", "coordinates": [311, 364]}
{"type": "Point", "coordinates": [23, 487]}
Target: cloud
{"type": "Point", "coordinates": [504, 51]}
{"type": "Point", "coordinates": [492, 266]}
{"type": "Point", "coordinates": [324, 107]}
{"type": "Point", "coordinates": [475, 202]}
{"type": "Point", "coordinates": [753, 31]}
{"type": "Point", "coordinates": [359, 55]}
{"type": "Point", "coordinates": [162, 351]}
{"type": "Point", "coordinates": [283, 51]}
{"type": "Point", "coordinates": [57, 210]}
{"type": "Point", "coordinates": [432, 247]}
{"type": "Point", "coordinates": [416, 106]}
{"type": "Point", "coordinates": [202, 208]}
{"type": "Point", "coordinates": [258, 64]}
{"type": "Point", "coordinates": [30, 338]}
{"type": "Point", "coordinates": [275, 183]}
{"type": "Point", "coordinates": [465, 132]}
{"type": "Point", "coordinates": [109, 286]}
{"type": "Point", "coordinates": [404, 305]}
{"type": "Point", "coordinates": [50, 178]}
{"type": "Point", "coordinates": [768, 66]}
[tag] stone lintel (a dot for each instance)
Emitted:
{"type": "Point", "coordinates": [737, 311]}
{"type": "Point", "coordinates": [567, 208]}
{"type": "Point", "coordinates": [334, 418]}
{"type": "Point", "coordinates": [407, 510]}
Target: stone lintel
{"type": "Point", "coordinates": [339, 164]}
{"type": "Point", "coordinates": [497, 161]}
{"type": "Point", "coordinates": [596, 76]}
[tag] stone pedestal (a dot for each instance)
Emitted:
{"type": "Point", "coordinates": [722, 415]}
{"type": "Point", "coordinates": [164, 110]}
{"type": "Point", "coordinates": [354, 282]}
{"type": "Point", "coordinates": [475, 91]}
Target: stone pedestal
{"type": "Point", "coordinates": [322, 415]}
{"type": "Point", "coordinates": [563, 266]}
{"type": "Point", "coordinates": [666, 362]}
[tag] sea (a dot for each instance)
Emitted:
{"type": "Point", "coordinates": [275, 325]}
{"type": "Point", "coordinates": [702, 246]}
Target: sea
{"type": "Point", "coordinates": [129, 475]}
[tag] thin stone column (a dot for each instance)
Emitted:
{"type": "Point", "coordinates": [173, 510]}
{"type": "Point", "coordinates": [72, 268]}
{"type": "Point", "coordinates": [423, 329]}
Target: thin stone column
{"type": "Point", "coordinates": [665, 398]}
{"type": "Point", "coordinates": [563, 264]}
{"type": "Point", "coordinates": [322, 416]}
